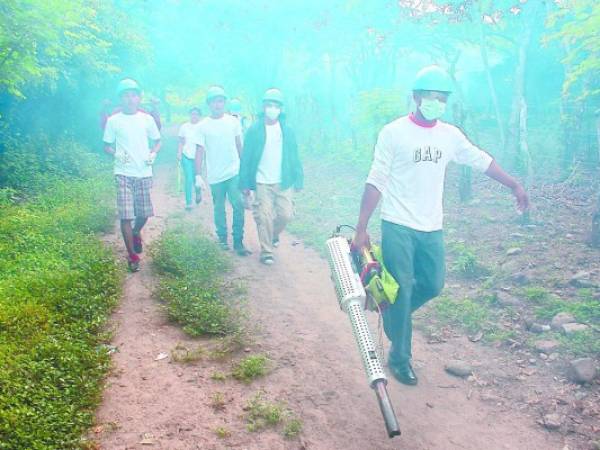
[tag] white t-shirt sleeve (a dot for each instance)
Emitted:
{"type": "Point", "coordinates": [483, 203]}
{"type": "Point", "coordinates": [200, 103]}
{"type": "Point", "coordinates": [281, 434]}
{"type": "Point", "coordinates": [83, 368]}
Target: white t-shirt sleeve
{"type": "Point", "coordinates": [151, 128]}
{"type": "Point", "coordinates": [182, 130]}
{"type": "Point", "coordinates": [109, 132]}
{"type": "Point", "coordinates": [469, 154]}
{"type": "Point", "coordinates": [382, 161]}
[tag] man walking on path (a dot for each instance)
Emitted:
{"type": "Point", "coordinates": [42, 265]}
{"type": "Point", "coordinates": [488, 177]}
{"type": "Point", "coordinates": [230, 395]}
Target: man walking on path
{"type": "Point", "coordinates": [186, 154]}
{"type": "Point", "coordinates": [408, 171]}
{"type": "Point", "coordinates": [127, 136]}
{"type": "Point", "coordinates": [220, 139]}
{"type": "Point", "coordinates": [270, 168]}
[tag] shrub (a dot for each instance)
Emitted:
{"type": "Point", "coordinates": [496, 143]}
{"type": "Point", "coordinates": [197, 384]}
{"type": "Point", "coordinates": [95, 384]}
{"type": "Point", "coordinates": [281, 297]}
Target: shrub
{"type": "Point", "coordinates": [57, 286]}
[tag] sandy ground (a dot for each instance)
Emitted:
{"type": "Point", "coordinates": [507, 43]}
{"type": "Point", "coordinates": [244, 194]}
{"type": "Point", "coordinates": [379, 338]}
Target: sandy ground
{"type": "Point", "coordinates": [316, 371]}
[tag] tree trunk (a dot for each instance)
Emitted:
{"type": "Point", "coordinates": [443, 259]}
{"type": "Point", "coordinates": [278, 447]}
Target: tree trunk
{"type": "Point", "coordinates": [595, 234]}
{"type": "Point", "coordinates": [517, 122]}
{"type": "Point", "coordinates": [486, 65]}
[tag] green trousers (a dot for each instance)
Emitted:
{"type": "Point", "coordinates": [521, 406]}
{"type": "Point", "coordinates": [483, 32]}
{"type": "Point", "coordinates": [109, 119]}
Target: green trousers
{"type": "Point", "coordinates": [416, 261]}
{"type": "Point", "coordinates": [228, 189]}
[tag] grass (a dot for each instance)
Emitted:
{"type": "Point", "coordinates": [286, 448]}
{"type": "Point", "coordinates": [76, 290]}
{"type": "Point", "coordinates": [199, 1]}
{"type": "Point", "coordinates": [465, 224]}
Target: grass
{"type": "Point", "coordinates": [471, 315]}
{"type": "Point", "coordinates": [185, 355]}
{"type": "Point", "coordinates": [292, 428]}
{"type": "Point", "coordinates": [217, 401]}
{"type": "Point", "coordinates": [584, 307]}
{"type": "Point", "coordinates": [193, 282]}
{"type": "Point", "coordinates": [262, 414]}
{"type": "Point", "coordinates": [218, 376]}
{"type": "Point", "coordinates": [250, 368]}
{"type": "Point", "coordinates": [58, 283]}
{"type": "Point", "coordinates": [222, 432]}
{"type": "Point", "coordinates": [465, 263]}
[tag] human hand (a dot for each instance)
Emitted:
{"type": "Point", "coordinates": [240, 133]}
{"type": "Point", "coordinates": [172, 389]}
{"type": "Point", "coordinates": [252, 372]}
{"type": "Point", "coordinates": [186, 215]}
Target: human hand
{"type": "Point", "coordinates": [521, 197]}
{"type": "Point", "coordinates": [361, 240]}
{"type": "Point", "coordinates": [151, 158]}
{"type": "Point", "coordinates": [200, 182]}
{"type": "Point", "coordinates": [179, 156]}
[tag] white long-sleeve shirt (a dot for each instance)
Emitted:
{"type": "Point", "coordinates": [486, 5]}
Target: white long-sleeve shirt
{"type": "Point", "coordinates": [409, 168]}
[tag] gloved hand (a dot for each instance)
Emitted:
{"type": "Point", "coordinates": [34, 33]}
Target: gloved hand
{"type": "Point", "coordinates": [200, 182]}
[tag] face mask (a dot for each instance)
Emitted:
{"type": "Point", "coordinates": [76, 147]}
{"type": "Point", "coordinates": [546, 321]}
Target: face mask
{"type": "Point", "coordinates": [432, 109]}
{"type": "Point", "coordinates": [272, 112]}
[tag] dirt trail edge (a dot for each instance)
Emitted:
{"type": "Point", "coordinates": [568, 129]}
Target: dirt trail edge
{"type": "Point", "coordinates": [150, 403]}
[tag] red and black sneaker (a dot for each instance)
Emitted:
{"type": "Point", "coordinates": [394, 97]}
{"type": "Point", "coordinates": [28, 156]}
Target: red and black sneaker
{"type": "Point", "coordinates": [133, 262]}
{"type": "Point", "coordinates": [137, 243]}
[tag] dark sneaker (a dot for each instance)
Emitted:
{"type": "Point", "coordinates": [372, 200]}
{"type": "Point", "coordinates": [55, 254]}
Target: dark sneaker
{"type": "Point", "coordinates": [133, 263]}
{"type": "Point", "coordinates": [137, 243]}
{"type": "Point", "coordinates": [404, 373]}
{"type": "Point", "coordinates": [241, 250]}
{"type": "Point", "coordinates": [188, 207]}
{"type": "Point", "coordinates": [267, 260]}
{"type": "Point", "coordinates": [276, 242]}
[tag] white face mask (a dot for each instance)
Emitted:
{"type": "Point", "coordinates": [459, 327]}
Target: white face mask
{"type": "Point", "coordinates": [432, 109]}
{"type": "Point", "coordinates": [272, 112]}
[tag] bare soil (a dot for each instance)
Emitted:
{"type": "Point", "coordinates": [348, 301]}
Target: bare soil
{"type": "Point", "coordinates": [150, 403]}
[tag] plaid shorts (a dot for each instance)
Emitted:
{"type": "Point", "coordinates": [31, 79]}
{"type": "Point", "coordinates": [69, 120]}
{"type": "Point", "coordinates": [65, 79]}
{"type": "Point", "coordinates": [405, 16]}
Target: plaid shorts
{"type": "Point", "coordinates": [133, 197]}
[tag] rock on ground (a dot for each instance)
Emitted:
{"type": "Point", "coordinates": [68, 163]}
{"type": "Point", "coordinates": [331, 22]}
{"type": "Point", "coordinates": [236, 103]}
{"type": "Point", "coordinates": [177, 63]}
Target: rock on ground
{"type": "Point", "coordinates": [582, 370]}
{"type": "Point", "coordinates": [560, 319]}
{"type": "Point", "coordinates": [569, 328]}
{"type": "Point", "coordinates": [458, 368]}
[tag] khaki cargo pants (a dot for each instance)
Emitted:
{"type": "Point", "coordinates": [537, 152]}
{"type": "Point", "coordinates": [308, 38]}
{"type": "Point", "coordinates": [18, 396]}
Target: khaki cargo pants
{"type": "Point", "coordinates": [272, 210]}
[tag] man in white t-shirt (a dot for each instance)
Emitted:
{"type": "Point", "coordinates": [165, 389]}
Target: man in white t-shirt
{"type": "Point", "coordinates": [128, 135]}
{"type": "Point", "coordinates": [219, 138]}
{"type": "Point", "coordinates": [408, 171]}
{"type": "Point", "coordinates": [186, 154]}
{"type": "Point", "coordinates": [270, 169]}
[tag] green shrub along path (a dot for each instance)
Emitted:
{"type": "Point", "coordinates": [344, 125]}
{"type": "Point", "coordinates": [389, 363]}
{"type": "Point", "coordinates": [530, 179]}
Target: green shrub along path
{"type": "Point", "coordinates": [58, 283]}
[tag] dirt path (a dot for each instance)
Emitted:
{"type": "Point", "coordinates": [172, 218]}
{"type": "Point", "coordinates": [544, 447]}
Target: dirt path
{"type": "Point", "coordinates": [160, 404]}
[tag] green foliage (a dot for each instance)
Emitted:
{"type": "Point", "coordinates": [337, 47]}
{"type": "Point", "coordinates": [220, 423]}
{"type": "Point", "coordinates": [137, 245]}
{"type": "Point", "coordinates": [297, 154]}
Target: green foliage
{"type": "Point", "coordinates": [581, 343]}
{"type": "Point", "coordinates": [469, 314]}
{"type": "Point", "coordinates": [57, 285]}
{"type": "Point", "coordinates": [44, 40]}
{"type": "Point", "coordinates": [292, 428]}
{"type": "Point", "coordinates": [465, 261]}
{"type": "Point", "coordinates": [193, 283]}
{"type": "Point", "coordinates": [222, 432]}
{"type": "Point", "coordinates": [250, 368]}
{"type": "Point", "coordinates": [261, 413]}
{"type": "Point", "coordinates": [585, 308]}
{"type": "Point", "coordinates": [576, 26]}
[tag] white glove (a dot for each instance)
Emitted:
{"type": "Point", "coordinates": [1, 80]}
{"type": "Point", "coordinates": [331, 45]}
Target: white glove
{"type": "Point", "coordinates": [200, 182]}
{"type": "Point", "coordinates": [151, 158]}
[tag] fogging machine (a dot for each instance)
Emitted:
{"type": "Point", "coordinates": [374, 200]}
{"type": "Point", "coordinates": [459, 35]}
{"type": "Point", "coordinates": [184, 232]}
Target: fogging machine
{"type": "Point", "coordinates": [352, 298]}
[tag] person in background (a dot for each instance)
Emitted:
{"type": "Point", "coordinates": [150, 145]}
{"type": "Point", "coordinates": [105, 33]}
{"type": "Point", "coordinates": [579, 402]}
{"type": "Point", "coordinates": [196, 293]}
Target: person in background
{"type": "Point", "coordinates": [133, 138]}
{"type": "Point", "coordinates": [186, 154]}
{"type": "Point", "coordinates": [408, 171]}
{"type": "Point", "coordinates": [270, 170]}
{"type": "Point", "coordinates": [235, 109]}
{"type": "Point", "coordinates": [108, 110]}
{"type": "Point", "coordinates": [219, 138]}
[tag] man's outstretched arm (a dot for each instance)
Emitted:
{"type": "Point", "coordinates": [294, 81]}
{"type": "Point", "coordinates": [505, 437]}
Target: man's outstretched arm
{"type": "Point", "coordinates": [497, 173]}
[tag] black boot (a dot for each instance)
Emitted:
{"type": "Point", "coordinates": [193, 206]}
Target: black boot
{"type": "Point", "coordinates": [404, 373]}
